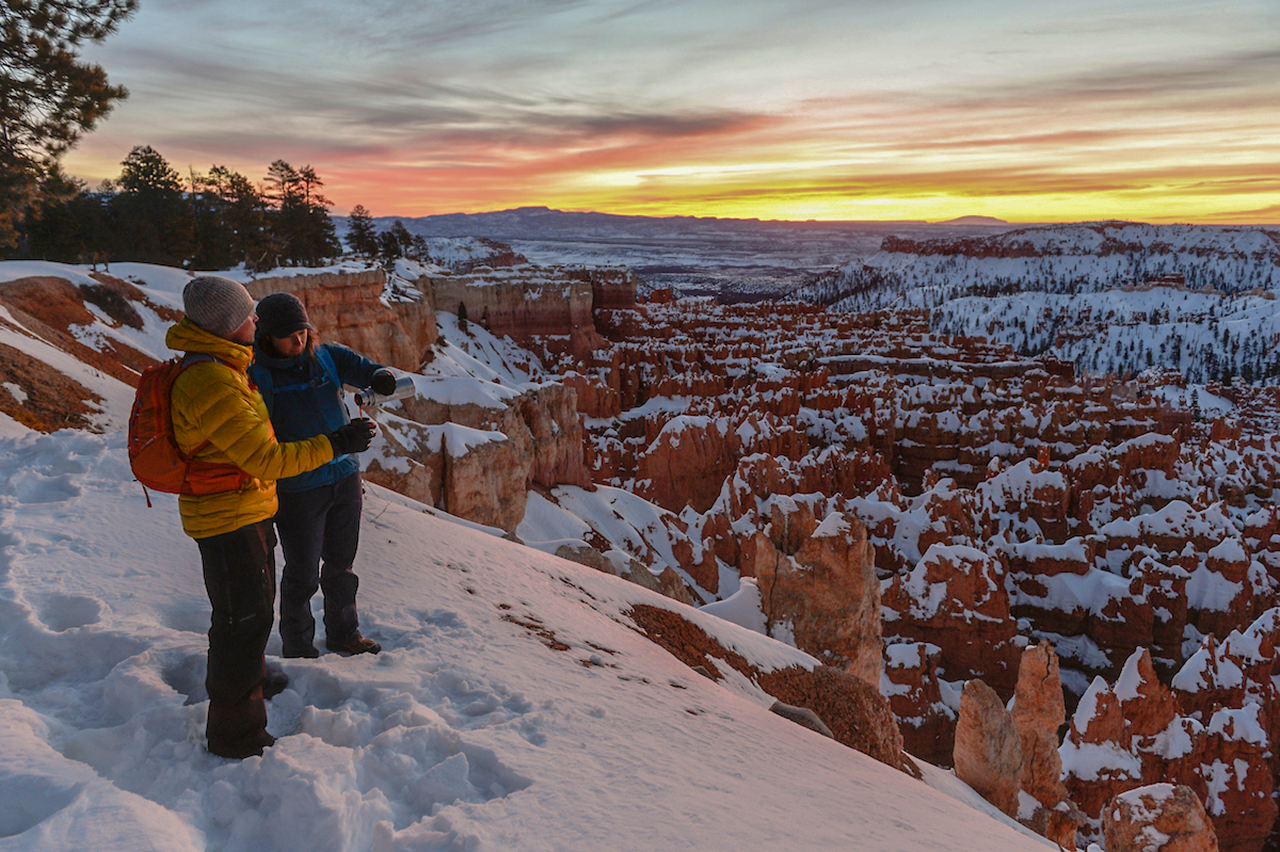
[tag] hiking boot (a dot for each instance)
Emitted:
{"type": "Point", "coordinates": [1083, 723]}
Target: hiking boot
{"type": "Point", "coordinates": [274, 684]}
{"type": "Point", "coordinates": [355, 645]}
{"type": "Point", "coordinates": [306, 652]}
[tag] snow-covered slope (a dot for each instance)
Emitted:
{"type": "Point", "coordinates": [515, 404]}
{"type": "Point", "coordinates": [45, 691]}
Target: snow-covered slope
{"type": "Point", "coordinates": [1108, 296]}
{"type": "Point", "coordinates": [1202, 336]}
{"type": "Point", "coordinates": [1079, 258]}
{"type": "Point", "coordinates": [514, 707]}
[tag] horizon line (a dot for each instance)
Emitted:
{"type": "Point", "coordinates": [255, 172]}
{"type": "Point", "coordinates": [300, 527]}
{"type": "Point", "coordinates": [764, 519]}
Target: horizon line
{"type": "Point", "coordinates": [971, 219]}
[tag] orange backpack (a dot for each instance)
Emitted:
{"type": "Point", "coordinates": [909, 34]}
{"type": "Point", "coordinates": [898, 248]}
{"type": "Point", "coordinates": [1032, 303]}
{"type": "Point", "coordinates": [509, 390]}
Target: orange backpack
{"type": "Point", "coordinates": [153, 450]}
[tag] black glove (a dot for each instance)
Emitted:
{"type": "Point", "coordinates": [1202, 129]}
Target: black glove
{"type": "Point", "coordinates": [383, 382]}
{"type": "Point", "coordinates": [351, 438]}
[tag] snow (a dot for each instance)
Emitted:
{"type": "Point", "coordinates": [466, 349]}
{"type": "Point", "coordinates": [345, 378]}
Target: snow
{"type": "Point", "coordinates": [463, 390]}
{"type": "Point", "coordinates": [1206, 669]}
{"type": "Point", "coordinates": [1090, 592]}
{"type": "Point", "coordinates": [1241, 724]}
{"type": "Point", "coordinates": [1209, 590]}
{"type": "Point", "coordinates": [630, 523]}
{"type": "Point", "coordinates": [12, 270]}
{"type": "Point", "coordinates": [1092, 762]}
{"type": "Point", "coordinates": [466, 733]}
{"type": "Point", "coordinates": [743, 607]}
{"type": "Point", "coordinates": [480, 356]}
{"type": "Point", "coordinates": [114, 397]}
{"type": "Point", "coordinates": [1130, 682]}
{"type": "Point", "coordinates": [1178, 739]}
{"type": "Point", "coordinates": [545, 522]}
{"type": "Point", "coordinates": [1088, 706]}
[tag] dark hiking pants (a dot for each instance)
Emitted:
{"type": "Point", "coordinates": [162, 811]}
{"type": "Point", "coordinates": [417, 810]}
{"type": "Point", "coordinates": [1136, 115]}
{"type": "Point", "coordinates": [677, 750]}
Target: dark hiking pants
{"type": "Point", "coordinates": [314, 525]}
{"type": "Point", "coordinates": [240, 577]}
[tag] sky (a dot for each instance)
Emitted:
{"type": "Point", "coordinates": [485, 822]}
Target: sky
{"type": "Point", "coordinates": [1030, 111]}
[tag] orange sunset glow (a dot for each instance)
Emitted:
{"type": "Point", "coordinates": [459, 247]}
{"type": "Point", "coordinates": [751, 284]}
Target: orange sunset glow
{"type": "Point", "coordinates": [1161, 112]}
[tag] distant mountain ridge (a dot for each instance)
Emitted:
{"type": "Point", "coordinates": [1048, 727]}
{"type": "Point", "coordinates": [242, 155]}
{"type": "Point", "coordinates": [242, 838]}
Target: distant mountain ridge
{"type": "Point", "coordinates": [730, 259]}
{"type": "Point", "coordinates": [1105, 239]}
{"type": "Point", "coordinates": [531, 223]}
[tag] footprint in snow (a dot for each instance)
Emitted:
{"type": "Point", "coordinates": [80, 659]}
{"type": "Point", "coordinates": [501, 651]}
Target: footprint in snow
{"type": "Point", "coordinates": [67, 612]}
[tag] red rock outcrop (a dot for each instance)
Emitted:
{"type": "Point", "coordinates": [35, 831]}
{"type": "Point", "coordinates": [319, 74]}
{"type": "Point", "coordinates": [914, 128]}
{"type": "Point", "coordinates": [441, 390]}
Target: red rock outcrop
{"type": "Point", "coordinates": [1038, 712]}
{"type": "Point", "coordinates": [690, 458]}
{"type": "Point", "coordinates": [1209, 732]}
{"type": "Point", "coordinates": [856, 713]}
{"type": "Point", "coordinates": [550, 304]}
{"type": "Point", "coordinates": [39, 394]}
{"type": "Point", "coordinates": [53, 308]}
{"type": "Point", "coordinates": [556, 435]}
{"type": "Point", "coordinates": [1160, 817]}
{"type": "Point", "coordinates": [347, 308]}
{"type": "Point", "coordinates": [480, 475]}
{"type": "Point", "coordinates": [955, 598]}
{"type": "Point", "coordinates": [827, 595]}
{"type": "Point", "coordinates": [478, 457]}
{"type": "Point", "coordinates": [988, 749]}
{"type": "Point", "coordinates": [914, 690]}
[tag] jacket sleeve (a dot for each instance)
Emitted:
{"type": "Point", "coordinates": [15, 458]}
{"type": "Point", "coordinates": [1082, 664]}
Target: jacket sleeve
{"type": "Point", "coordinates": [353, 369]}
{"type": "Point", "coordinates": [214, 403]}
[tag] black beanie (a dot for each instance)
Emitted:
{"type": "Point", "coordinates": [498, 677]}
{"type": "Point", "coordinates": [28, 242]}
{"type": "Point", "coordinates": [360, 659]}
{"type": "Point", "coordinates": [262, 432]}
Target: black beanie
{"type": "Point", "coordinates": [281, 314]}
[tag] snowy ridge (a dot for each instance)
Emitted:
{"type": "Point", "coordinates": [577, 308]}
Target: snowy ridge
{"type": "Point", "coordinates": [513, 708]}
{"type": "Point", "coordinates": [1057, 259]}
{"type": "Point", "coordinates": [1203, 336]}
{"type": "Point", "coordinates": [1108, 297]}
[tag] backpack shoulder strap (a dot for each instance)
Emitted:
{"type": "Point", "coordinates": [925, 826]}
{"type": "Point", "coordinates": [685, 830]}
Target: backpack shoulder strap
{"type": "Point", "coordinates": [326, 361]}
{"type": "Point", "coordinates": [188, 360]}
{"type": "Point", "coordinates": [193, 358]}
{"type": "Point", "coordinates": [266, 386]}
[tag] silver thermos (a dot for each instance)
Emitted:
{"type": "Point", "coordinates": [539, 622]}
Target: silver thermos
{"type": "Point", "coordinates": [404, 389]}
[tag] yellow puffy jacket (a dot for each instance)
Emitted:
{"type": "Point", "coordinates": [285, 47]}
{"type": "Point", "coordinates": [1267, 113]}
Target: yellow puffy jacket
{"type": "Point", "coordinates": [212, 401]}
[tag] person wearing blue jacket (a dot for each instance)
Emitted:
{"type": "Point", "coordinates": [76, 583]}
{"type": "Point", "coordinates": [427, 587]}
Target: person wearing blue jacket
{"type": "Point", "coordinates": [318, 521]}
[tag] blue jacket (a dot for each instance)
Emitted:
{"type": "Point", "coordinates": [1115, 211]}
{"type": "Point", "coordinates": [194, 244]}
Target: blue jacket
{"type": "Point", "coordinates": [304, 397]}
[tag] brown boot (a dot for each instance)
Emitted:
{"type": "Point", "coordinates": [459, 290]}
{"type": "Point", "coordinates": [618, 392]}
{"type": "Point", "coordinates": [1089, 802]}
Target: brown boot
{"type": "Point", "coordinates": [355, 645]}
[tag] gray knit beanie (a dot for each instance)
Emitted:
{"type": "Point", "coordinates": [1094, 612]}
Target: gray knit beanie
{"type": "Point", "coordinates": [216, 304]}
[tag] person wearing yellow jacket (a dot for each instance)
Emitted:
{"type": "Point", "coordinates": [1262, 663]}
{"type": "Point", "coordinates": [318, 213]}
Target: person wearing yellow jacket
{"type": "Point", "coordinates": [220, 416]}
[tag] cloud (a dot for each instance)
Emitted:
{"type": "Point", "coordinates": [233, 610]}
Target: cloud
{"type": "Point", "coordinates": [1175, 79]}
{"type": "Point", "coordinates": [626, 102]}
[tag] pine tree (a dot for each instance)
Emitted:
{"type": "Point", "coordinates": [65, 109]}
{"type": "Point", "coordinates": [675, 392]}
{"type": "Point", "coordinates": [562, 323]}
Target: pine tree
{"type": "Point", "coordinates": [152, 221]}
{"type": "Point", "coordinates": [48, 97]}
{"type": "Point", "coordinates": [396, 241]}
{"type": "Point", "coordinates": [68, 223]}
{"type": "Point", "coordinates": [300, 225]}
{"type": "Point", "coordinates": [362, 237]}
{"type": "Point", "coordinates": [230, 220]}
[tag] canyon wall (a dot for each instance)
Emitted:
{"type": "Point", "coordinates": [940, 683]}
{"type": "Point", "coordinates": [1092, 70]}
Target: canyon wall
{"type": "Point", "coordinates": [348, 308]}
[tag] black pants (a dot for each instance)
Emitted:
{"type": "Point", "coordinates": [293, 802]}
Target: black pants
{"type": "Point", "coordinates": [240, 577]}
{"type": "Point", "coordinates": [314, 525]}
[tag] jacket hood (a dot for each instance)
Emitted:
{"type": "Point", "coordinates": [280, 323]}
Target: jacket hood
{"type": "Point", "coordinates": [186, 336]}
